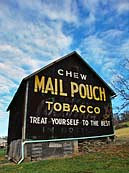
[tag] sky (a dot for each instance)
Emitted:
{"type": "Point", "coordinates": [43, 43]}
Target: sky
{"type": "Point", "coordinates": [34, 33]}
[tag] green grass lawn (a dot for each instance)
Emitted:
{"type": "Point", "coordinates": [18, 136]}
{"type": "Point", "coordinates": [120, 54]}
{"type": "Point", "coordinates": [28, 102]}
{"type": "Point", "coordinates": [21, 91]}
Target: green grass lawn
{"type": "Point", "coordinates": [2, 157]}
{"type": "Point", "coordinates": [113, 159]}
{"type": "Point", "coordinates": [127, 123]}
{"type": "Point", "coordinates": [2, 151]}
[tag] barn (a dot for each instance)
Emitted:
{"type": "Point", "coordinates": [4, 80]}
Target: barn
{"type": "Point", "coordinates": [56, 106]}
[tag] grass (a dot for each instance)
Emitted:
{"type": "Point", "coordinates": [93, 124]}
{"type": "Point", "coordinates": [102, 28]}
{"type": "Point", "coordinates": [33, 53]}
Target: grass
{"type": "Point", "coordinates": [127, 123]}
{"type": "Point", "coordinates": [112, 158]}
{"type": "Point", "coordinates": [123, 132]}
{"type": "Point", "coordinates": [2, 156]}
{"type": "Point", "coordinates": [2, 152]}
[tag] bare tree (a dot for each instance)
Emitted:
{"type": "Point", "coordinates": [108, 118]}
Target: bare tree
{"type": "Point", "coordinates": [121, 85]}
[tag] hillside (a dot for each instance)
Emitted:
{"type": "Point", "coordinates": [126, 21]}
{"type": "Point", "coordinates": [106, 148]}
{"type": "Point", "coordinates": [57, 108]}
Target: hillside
{"type": "Point", "coordinates": [113, 157]}
{"type": "Point", "coordinates": [110, 158]}
{"type": "Point", "coordinates": [124, 131]}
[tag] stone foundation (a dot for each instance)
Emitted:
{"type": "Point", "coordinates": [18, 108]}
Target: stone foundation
{"type": "Point", "coordinates": [46, 150]}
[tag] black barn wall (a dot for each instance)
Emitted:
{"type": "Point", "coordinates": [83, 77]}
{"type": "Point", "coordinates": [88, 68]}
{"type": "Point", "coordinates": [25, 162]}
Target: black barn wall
{"type": "Point", "coordinates": [16, 117]}
{"type": "Point", "coordinates": [22, 129]}
{"type": "Point", "coordinates": [37, 107]}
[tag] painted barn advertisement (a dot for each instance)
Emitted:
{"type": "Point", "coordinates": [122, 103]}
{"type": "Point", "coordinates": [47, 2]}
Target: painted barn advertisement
{"type": "Point", "coordinates": [68, 100]}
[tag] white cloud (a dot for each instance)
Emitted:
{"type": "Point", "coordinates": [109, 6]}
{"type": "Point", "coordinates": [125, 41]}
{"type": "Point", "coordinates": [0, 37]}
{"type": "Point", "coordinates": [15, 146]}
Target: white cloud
{"type": "Point", "coordinates": [6, 85]}
{"type": "Point", "coordinates": [65, 10]}
{"type": "Point", "coordinates": [4, 102]}
{"type": "Point", "coordinates": [100, 52]}
{"type": "Point", "coordinates": [59, 10]}
{"type": "Point", "coordinates": [90, 19]}
{"type": "Point", "coordinates": [33, 33]}
{"type": "Point", "coordinates": [108, 65]}
{"type": "Point", "coordinates": [13, 61]}
{"type": "Point", "coordinates": [127, 65]}
{"type": "Point", "coordinates": [111, 35]}
{"type": "Point", "coordinates": [94, 10]}
{"type": "Point", "coordinates": [116, 77]}
{"type": "Point", "coordinates": [106, 48]}
{"type": "Point", "coordinates": [39, 36]}
{"type": "Point", "coordinates": [12, 71]}
{"type": "Point", "coordinates": [90, 7]}
{"type": "Point", "coordinates": [3, 123]}
{"type": "Point", "coordinates": [122, 6]}
{"type": "Point", "coordinates": [2, 115]}
{"type": "Point", "coordinates": [28, 43]}
{"type": "Point", "coordinates": [124, 49]}
{"type": "Point", "coordinates": [10, 49]}
{"type": "Point", "coordinates": [53, 40]}
{"type": "Point", "coordinates": [94, 48]}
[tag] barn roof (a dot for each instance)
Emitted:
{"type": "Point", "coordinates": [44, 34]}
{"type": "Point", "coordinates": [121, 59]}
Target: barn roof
{"type": "Point", "coordinates": [22, 87]}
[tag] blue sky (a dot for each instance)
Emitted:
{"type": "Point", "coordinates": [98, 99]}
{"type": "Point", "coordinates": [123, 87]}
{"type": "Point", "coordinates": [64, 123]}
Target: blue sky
{"type": "Point", "coordinates": [34, 33]}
